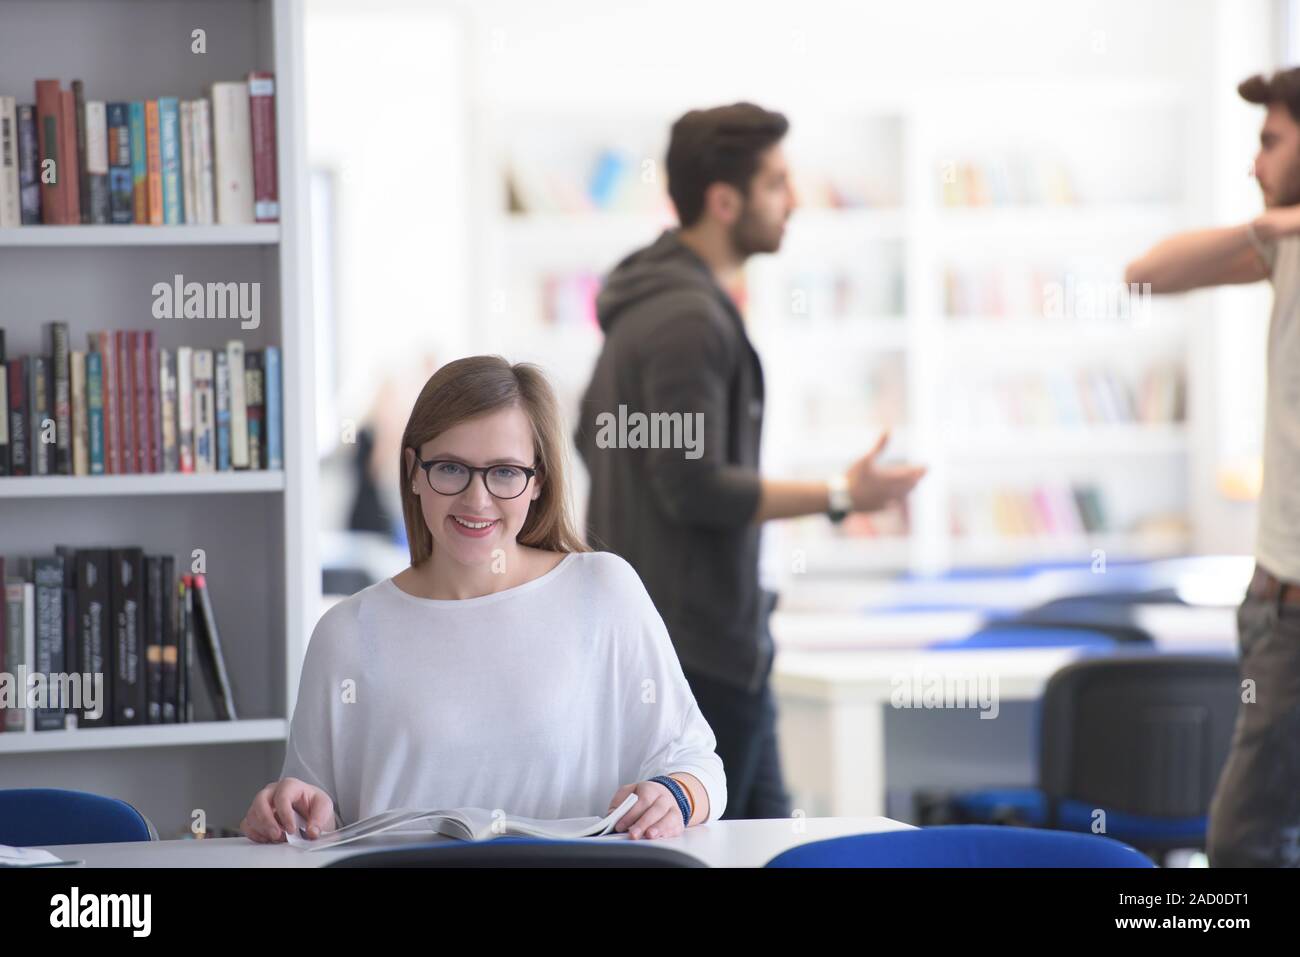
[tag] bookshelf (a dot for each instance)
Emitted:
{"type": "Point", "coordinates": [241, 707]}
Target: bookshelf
{"type": "Point", "coordinates": [257, 529]}
{"type": "Point", "coordinates": [857, 317]}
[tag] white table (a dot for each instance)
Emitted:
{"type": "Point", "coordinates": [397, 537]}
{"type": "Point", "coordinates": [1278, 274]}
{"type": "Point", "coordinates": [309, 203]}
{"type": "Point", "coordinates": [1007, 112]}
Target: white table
{"type": "Point", "coordinates": [720, 844]}
{"type": "Point", "coordinates": [835, 672]}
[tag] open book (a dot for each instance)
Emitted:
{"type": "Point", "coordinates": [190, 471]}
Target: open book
{"type": "Point", "coordinates": [465, 823]}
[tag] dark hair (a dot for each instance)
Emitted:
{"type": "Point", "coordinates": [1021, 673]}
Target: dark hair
{"type": "Point", "coordinates": [474, 386]}
{"type": "Point", "coordinates": [720, 145]}
{"type": "Point", "coordinates": [1282, 87]}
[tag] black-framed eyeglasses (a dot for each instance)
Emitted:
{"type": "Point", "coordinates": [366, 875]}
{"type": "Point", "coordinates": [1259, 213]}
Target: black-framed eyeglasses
{"type": "Point", "coordinates": [448, 477]}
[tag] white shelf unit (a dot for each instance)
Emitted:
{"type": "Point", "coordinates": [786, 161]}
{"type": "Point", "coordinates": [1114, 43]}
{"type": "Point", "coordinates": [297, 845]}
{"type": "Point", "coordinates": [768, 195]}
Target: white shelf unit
{"type": "Point", "coordinates": [873, 345]}
{"type": "Point", "coordinates": [257, 529]}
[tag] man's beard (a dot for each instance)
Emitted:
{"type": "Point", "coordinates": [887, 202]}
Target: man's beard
{"type": "Point", "coordinates": [1288, 191]}
{"type": "Point", "coordinates": [748, 236]}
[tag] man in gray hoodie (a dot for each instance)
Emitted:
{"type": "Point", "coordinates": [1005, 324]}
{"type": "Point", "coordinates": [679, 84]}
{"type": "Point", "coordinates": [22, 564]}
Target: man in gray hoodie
{"type": "Point", "coordinates": [670, 426]}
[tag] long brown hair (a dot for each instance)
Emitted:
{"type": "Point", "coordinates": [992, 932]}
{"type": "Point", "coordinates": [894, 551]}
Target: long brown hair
{"type": "Point", "coordinates": [474, 386]}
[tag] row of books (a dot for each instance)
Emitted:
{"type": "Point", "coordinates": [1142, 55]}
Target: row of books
{"type": "Point", "coordinates": [1048, 510]}
{"type": "Point", "coordinates": [65, 159]}
{"type": "Point", "coordinates": [615, 181]}
{"type": "Point", "coordinates": [127, 406]}
{"type": "Point", "coordinates": [1016, 179]}
{"type": "Point", "coordinates": [1085, 397]}
{"type": "Point", "coordinates": [1039, 292]}
{"type": "Point", "coordinates": [106, 637]}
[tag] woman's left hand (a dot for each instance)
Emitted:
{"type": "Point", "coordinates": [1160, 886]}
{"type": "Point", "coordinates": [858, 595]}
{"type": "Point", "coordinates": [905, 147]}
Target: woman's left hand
{"type": "Point", "coordinates": [654, 815]}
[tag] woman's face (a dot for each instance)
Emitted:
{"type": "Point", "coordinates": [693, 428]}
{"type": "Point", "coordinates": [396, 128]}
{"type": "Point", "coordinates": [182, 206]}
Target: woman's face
{"type": "Point", "coordinates": [500, 438]}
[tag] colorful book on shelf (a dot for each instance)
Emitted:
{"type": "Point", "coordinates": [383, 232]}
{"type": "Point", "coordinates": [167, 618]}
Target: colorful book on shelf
{"type": "Point", "coordinates": [121, 177]}
{"type": "Point", "coordinates": [29, 160]}
{"type": "Point", "coordinates": [126, 406]}
{"type": "Point", "coordinates": [261, 110]}
{"type": "Point", "coordinates": [139, 165]}
{"type": "Point", "coordinates": [4, 421]}
{"type": "Point", "coordinates": [10, 197]}
{"type": "Point", "coordinates": [169, 146]}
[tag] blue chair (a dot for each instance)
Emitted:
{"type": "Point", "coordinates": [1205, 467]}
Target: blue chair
{"type": "Point", "coordinates": [968, 845]}
{"type": "Point", "coordinates": [1141, 738]}
{"type": "Point", "coordinates": [1025, 635]}
{"type": "Point", "coordinates": [36, 816]}
{"type": "Point", "coordinates": [522, 852]}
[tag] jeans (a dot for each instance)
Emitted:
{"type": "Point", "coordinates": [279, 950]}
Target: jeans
{"type": "Point", "coordinates": [745, 726]}
{"type": "Point", "coordinates": [1255, 812]}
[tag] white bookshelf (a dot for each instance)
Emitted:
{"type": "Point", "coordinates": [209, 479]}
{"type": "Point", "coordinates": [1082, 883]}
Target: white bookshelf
{"type": "Point", "coordinates": [93, 486]}
{"type": "Point", "coordinates": [147, 736]}
{"type": "Point", "coordinates": [896, 327]}
{"type": "Point", "coordinates": [259, 234]}
{"type": "Point", "coordinates": [257, 528]}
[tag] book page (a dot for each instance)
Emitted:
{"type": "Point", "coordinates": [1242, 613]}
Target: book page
{"type": "Point", "coordinates": [469, 823]}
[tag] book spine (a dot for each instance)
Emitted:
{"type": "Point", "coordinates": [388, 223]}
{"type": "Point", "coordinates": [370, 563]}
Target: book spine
{"type": "Point", "coordinates": [261, 108]}
{"type": "Point", "coordinates": [256, 409]}
{"type": "Point", "coordinates": [83, 178]}
{"type": "Point", "coordinates": [47, 574]}
{"type": "Point", "coordinates": [167, 378]}
{"type": "Point", "coordinates": [72, 162]}
{"type": "Point", "coordinates": [223, 410]}
{"type": "Point", "coordinates": [103, 343]}
{"type": "Point", "coordinates": [155, 401]}
{"type": "Point", "coordinates": [143, 421]}
{"type": "Point", "coordinates": [185, 406]}
{"type": "Point", "coordinates": [204, 454]}
{"type": "Point", "coordinates": [153, 638]}
{"type": "Point", "coordinates": [121, 184]}
{"type": "Point", "coordinates": [95, 411]}
{"type": "Point", "coordinates": [139, 166]}
{"type": "Point", "coordinates": [215, 660]}
{"type": "Point", "coordinates": [5, 455]}
{"type": "Point", "coordinates": [62, 399]}
{"type": "Point", "coordinates": [71, 657]}
{"type": "Point", "coordinates": [96, 170]}
{"type": "Point", "coordinates": [170, 145]}
{"type": "Point", "coordinates": [203, 125]}
{"type": "Point", "coordinates": [185, 647]}
{"type": "Point", "coordinates": [169, 649]}
{"type": "Point", "coordinates": [187, 159]}
{"type": "Point", "coordinates": [238, 408]}
{"type": "Point", "coordinates": [29, 645]}
{"type": "Point", "coordinates": [128, 651]}
{"type": "Point", "coordinates": [40, 410]}
{"type": "Point", "coordinates": [10, 205]}
{"type": "Point", "coordinates": [153, 161]}
{"type": "Point", "coordinates": [274, 433]}
{"type": "Point", "coordinates": [94, 605]}
{"type": "Point", "coordinates": [125, 403]}
{"type": "Point", "coordinates": [50, 172]}
{"type": "Point", "coordinates": [15, 639]}
{"type": "Point", "coordinates": [232, 153]}
{"type": "Point", "coordinates": [20, 462]}
{"type": "Point", "coordinates": [80, 429]}
{"type": "Point", "coordinates": [29, 163]}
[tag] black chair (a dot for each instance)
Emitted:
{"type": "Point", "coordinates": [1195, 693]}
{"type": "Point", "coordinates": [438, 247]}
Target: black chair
{"type": "Point", "coordinates": [1143, 739]}
{"type": "Point", "coordinates": [522, 852]}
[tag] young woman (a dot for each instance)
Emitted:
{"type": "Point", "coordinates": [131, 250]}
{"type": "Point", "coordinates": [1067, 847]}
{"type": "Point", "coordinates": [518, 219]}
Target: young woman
{"type": "Point", "coordinates": [509, 667]}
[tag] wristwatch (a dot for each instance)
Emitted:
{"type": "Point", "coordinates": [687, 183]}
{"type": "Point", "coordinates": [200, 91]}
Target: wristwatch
{"type": "Point", "coordinates": [841, 503]}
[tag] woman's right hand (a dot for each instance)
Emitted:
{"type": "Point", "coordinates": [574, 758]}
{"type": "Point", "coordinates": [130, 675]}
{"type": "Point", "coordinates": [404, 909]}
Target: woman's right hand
{"type": "Point", "coordinates": [271, 813]}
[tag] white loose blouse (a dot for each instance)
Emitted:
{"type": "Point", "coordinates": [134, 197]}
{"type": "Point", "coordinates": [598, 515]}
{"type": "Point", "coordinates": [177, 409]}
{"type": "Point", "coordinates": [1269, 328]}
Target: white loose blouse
{"type": "Point", "coordinates": [539, 701]}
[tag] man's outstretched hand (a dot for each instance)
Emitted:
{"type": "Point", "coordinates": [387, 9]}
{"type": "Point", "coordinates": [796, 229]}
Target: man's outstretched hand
{"type": "Point", "coordinates": [872, 486]}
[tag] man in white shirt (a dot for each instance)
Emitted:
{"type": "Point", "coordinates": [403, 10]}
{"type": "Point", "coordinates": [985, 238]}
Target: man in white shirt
{"type": "Point", "coordinates": [1255, 813]}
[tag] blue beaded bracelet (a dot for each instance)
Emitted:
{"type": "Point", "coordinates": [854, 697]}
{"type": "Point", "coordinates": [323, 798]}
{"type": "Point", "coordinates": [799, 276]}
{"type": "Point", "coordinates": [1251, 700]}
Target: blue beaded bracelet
{"type": "Point", "coordinates": [675, 788]}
